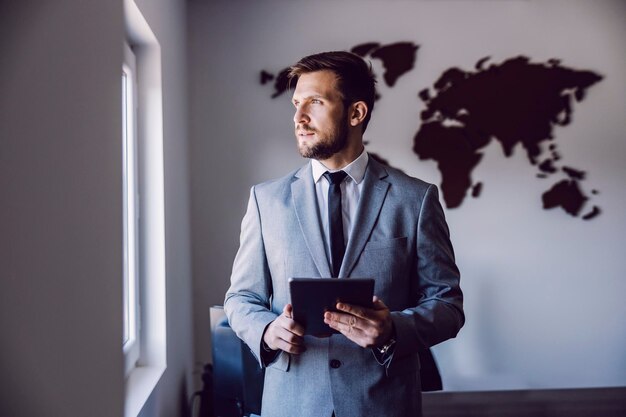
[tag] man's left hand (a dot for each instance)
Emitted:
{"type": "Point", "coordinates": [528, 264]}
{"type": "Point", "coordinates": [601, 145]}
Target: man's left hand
{"type": "Point", "coordinates": [367, 327]}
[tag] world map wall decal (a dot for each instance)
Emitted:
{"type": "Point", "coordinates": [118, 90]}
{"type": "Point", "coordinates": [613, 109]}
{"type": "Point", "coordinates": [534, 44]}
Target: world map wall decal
{"type": "Point", "coordinates": [516, 102]}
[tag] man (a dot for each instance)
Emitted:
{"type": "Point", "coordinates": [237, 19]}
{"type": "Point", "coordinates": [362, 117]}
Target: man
{"type": "Point", "coordinates": [393, 229]}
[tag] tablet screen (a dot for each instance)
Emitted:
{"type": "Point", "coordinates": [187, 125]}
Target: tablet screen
{"type": "Point", "coordinates": [311, 297]}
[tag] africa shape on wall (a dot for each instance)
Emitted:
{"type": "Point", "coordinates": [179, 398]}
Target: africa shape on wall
{"type": "Point", "coordinates": [514, 102]}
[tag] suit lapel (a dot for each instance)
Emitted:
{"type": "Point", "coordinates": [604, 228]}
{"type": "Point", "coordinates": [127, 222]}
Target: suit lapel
{"type": "Point", "coordinates": [305, 204]}
{"type": "Point", "coordinates": [370, 203]}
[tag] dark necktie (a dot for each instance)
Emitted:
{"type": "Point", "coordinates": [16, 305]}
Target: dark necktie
{"type": "Point", "coordinates": [335, 220]}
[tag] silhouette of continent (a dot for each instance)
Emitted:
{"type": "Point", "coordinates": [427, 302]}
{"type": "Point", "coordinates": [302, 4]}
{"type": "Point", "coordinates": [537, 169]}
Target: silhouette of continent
{"type": "Point", "coordinates": [515, 103]}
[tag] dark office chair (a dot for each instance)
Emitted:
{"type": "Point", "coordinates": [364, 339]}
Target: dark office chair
{"type": "Point", "coordinates": [237, 376]}
{"type": "Point", "coordinates": [238, 379]}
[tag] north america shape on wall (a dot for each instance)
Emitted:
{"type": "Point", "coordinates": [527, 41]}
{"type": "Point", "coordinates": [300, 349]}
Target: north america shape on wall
{"type": "Point", "coordinates": [514, 102]}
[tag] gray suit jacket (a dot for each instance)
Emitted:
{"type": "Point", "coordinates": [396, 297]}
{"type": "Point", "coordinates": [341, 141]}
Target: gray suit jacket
{"type": "Point", "coordinates": [400, 238]}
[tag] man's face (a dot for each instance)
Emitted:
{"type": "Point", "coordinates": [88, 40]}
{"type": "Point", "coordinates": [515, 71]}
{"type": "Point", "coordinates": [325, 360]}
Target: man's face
{"type": "Point", "coordinates": [321, 123]}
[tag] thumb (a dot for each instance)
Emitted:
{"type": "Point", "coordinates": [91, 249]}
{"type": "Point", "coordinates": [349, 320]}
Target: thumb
{"type": "Point", "coordinates": [288, 310]}
{"type": "Point", "coordinates": [377, 304]}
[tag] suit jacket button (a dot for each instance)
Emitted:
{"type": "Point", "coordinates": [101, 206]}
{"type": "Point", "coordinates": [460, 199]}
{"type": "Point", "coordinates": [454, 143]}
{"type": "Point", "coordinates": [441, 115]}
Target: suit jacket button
{"type": "Point", "coordinates": [335, 364]}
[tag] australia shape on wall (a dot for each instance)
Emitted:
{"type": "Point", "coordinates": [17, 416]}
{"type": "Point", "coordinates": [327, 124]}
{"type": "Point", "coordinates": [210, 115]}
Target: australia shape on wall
{"type": "Point", "coordinates": [514, 102]}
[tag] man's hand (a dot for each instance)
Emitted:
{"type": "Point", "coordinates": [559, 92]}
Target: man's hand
{"type": "Point", "coordinates": [285, 334]}
{"type": "Point", "coordinates": [367, 327]}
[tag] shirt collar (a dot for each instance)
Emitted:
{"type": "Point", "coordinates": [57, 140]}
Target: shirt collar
{"type": "Point", "coordinates": [355, 169]}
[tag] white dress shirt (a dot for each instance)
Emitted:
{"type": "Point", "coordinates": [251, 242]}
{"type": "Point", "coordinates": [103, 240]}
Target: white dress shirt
{"type": "Point", "coordinates": [351, 189]}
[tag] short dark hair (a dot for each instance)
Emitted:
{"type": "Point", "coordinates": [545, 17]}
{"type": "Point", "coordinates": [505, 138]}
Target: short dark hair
{"type": "Point", "coordinates": [355, 79]}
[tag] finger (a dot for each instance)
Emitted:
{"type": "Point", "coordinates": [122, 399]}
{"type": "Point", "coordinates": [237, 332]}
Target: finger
{"type": "Point", "coordinates": [370, 314]}
{"type": "Point", "coordinates": [343, 322]}
{"type": "Point", "coordinates": [283, 339]}
{"type": "Point", "coordinates": [290, 325]}
{"type": "Point", "coordinates": [295, 350]}
{"type": "Point", "coordinates": [366, 336]}
{"type": "Point", "coordinates": [289, 337]}
{"type": "Point", "coordinates": [345, 319]}
{"type": "Point", "coordinates": [352, 333]}
{"type": "Point", "coordinates": [288, 311]}
{"type": "Point", "coordinates": [352, 310]}
{"type": "Point", "coordinates": [290, 347]}
{"type": "Point", "coordinates": [334, 322]}
{"type": "Point", "coordinates": [379, 304]}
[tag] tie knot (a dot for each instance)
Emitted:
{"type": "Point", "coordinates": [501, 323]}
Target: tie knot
{"type": "Point", "coordinates": [335, 177]}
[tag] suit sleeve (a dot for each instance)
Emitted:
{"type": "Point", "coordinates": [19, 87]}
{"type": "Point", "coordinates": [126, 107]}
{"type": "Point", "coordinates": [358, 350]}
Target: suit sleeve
{"type": "Point", "coordinates": [247, 302]}
{"type": "Point", "coordinates": [438, 314]}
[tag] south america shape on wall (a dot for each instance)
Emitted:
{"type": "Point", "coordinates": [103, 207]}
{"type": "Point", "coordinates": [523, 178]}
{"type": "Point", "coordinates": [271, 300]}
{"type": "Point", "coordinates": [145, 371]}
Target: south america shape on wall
{"type": "Point", "coordinates": [514, 102]}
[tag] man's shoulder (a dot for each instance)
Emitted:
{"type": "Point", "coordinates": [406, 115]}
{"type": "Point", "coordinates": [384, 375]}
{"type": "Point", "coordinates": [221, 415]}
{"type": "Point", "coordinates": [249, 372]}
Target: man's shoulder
{"type": "Point", "coordinates": [277, 185]}
{"type": "Point", "coordinates": [400, 179]}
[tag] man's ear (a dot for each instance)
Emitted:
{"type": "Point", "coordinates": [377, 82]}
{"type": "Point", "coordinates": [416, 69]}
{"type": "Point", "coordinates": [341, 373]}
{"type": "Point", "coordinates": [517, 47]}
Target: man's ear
{"type": "Point", "coordinates": [358, 111]}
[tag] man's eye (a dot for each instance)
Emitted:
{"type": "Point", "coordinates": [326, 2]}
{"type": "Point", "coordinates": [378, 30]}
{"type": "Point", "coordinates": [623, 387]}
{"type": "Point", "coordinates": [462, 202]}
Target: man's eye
{"type": "Point", "coordinates": [316, 101]}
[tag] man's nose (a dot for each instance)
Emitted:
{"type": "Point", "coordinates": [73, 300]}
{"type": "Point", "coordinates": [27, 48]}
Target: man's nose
{"type": "Point", "coordinates": [300, 115]}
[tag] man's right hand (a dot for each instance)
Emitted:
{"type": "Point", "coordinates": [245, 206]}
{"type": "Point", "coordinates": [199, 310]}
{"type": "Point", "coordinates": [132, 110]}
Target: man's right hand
{"type": "Point", "coordinates": [285, 334]}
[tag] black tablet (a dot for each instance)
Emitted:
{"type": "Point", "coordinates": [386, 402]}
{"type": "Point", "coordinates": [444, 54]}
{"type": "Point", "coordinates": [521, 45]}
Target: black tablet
{"type": "Point", "coordinates": [311, 297]}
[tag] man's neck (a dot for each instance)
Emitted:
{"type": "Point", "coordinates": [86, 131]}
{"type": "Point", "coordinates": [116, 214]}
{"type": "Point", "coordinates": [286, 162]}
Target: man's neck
{"type": "Point", "coordinates": [344, 157]}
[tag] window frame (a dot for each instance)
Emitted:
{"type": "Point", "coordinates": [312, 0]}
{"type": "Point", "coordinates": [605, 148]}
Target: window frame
{"type": "Point", "coordinates": [152, 361]}
{"type": "Point", "coordinates": [131, 213]}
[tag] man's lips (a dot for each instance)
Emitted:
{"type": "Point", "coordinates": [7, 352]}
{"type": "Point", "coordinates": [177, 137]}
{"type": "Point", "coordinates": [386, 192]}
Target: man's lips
{"type": "Point", "coordinates": [305, 132]}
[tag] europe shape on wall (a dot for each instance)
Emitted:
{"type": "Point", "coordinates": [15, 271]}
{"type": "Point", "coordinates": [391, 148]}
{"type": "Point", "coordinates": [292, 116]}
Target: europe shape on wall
{"type": "Point", "coordinates": [513, 102]}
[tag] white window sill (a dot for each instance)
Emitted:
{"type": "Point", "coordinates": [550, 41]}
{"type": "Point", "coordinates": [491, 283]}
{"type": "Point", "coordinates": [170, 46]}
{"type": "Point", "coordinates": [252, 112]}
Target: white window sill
{"type": "Point", "coordinates": [139, 386]}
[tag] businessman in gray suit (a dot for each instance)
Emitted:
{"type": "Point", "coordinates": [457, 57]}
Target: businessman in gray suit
{"type": "Point", "coordinates": [343, 215]}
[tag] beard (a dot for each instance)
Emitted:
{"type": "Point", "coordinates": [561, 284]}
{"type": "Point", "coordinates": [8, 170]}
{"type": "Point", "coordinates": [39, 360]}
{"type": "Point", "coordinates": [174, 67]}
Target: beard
{"type": "Point", "coordinates": [328, 143]}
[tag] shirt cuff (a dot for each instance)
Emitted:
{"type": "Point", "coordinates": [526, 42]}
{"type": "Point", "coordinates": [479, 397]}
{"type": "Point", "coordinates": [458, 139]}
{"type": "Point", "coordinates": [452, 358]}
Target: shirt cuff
{"type": "Point", "coordinates": [268, 356]}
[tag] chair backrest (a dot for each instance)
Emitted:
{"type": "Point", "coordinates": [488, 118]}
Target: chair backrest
{"type": "Point", "coordinates": [237, 376]}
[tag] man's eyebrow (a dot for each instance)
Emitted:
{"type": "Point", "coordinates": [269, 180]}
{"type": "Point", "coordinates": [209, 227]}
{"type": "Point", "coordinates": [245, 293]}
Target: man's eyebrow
{"type": "Point", "coordinates": [307, 97]}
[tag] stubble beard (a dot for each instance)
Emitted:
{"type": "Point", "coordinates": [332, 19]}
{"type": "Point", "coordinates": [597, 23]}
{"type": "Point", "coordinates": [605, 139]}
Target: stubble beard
{"type": "Point", "coordinates": [326, 147]}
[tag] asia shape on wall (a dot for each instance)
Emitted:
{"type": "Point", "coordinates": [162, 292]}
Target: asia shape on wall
{"type": "Point", "coordinates": [514, 102]}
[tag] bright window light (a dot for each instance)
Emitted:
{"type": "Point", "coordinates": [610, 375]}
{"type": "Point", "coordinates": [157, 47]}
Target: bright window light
{"type": "Point", "coordinates": [131, 338]}
{"type": "Point", "coordinates": [145, 341]}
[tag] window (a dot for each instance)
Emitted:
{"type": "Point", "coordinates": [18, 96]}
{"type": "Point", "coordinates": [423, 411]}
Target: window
{"type": "Point", "coordinates": [130, 212]}
{"type": "Point", "coordinates": [145, 333]}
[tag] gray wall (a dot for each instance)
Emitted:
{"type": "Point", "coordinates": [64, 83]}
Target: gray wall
{"type": "Point", "coordinates": [60, 221]}
{"type": "Point", "coordinates": [544, 290]}
{"type": "Point", "coordinates": [61, 208]}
